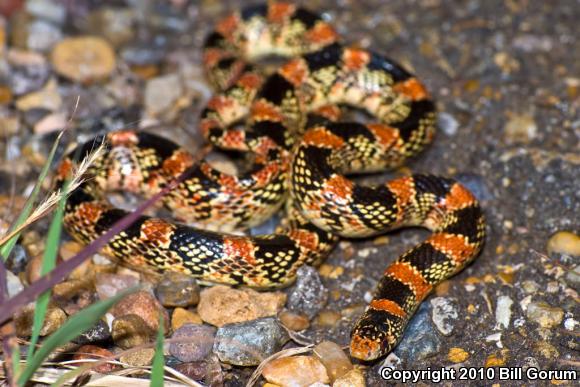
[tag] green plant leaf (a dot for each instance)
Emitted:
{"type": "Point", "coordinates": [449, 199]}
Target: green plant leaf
{"type": "Point", "coordinates": [48, 264]}
{"type": "Point", "coordinates": [16, 362]}
{"type": "Point", "coordinates": [7, 247]}
{"type": "Point", "coordinates": [157, 370]}
{"type": "Point", "coordinates": [73, 327]}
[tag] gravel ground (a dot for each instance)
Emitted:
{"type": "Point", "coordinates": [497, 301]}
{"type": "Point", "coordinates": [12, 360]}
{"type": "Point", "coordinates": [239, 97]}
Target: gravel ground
{"type": "Point", "coordinates": [506, 81]}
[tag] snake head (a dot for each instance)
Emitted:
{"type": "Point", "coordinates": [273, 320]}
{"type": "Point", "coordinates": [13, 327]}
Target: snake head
{"type": "Point", "coordinates": [374, 336]}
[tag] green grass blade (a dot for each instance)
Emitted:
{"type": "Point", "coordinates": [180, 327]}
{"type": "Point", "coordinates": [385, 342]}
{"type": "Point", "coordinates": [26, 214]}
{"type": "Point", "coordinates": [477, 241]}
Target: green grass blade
{"type": "Point", "coordinates": [16, 362]}
{"type": "Point", "coordinates": [157, 369]}
{"type": "Point", "coordinates": [73, 327]}
{"type": "Point", "coordinates": [48, 264]}
{"type": "Point", "coordinates": [6, 249]}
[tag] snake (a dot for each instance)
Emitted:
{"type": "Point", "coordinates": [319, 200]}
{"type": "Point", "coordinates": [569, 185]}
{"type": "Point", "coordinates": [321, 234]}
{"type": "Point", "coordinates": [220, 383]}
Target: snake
{"type": "Point", "coordinates": [288, 123]}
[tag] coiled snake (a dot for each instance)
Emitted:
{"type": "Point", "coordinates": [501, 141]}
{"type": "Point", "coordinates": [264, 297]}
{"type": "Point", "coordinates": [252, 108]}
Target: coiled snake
{"type": "Point", "coordinates": [300, 153]}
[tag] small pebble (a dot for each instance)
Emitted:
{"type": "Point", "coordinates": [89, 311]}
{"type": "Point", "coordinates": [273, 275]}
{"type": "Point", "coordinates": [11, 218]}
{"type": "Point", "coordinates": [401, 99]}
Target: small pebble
{"type": "Point", "coordinates": [177, 289]}
{"type": "Point", "coordinates": [564, 242]}
{"type": "Point", "coordinates": [46, 98]}
{"type": "Point", "coordinates": [10, 125]}
{"type": "Point", "coordinates": [327, 318]}
{"type": "Point", "coordinates": [295, 371]}
{"type": "Point", "coordinates": [115, 24]}
{"type": "Point", "coordinates": [14, 284]}
{"type": "Point", "coordinates": [53, 320]}
{"type": "Point", "coordinates": [70, 289]}
{"type": "Point", "coordinates": [130, 331]}
{"type": "Point", "coordinates": [248, 343]}
{"type": "Point", "coordinates": [29, 71]}
{"type": "Point", "coordinates": [444, 314]}
{"type": "Point", "coordinates": [309, 295]}
{"type": "Point", "coordinates": [162, 93]}
{"type": "Point", "coordinates": [51, 123]}
{"type": "Point", "coordinates": [447, 123]}
{"type": "Point", "coordinates": [83, 58]}
{"type": "Point", "coordinates": [144, 305]}
{"type": "Point", "coordinates": [220, 305]}
{"type": "Point", "coordinates": [139, 358]}
{"type": "Point", "coordinates": [573, 278]}
{"type": "Point", "coordinates": [98, 353]}
{"type": "Point", "coordinates": [529, 362]}
{"type": "Point", "coordinates": [294, 321]}
{"type": "Point", "coordinates": [497, 360]}
{"type": "Point", "coordinates": [521, 128]}
{"type": "Point", "coordinates": [33, 268]}
{"type": "Point", "coordinates": [195, 342]}
{"type": "Point", "coordinates": [503, 312]}
{"type": "Point", "coordinates": [85, 271]}
{"type": "Point", "coordinates": [144, 55]}
{"type": "Point", "coordinates": [214, 376]}
{"type": "Point", "coordinates": [552, 287]}
{"type": "Point", "coordinates": [108, 285]}
{"type": "Point", "coordinates": [495, 338]}
{"type": "Point", "coordinates": [544, 314]}
{"type": "Point", "coordinates": [47, 10]}
{"type": "Point", "coordinates": [457, 355]}
{"type": "Point", "coordinates": [97, 333]}
{"type": "Point", "coordinates": [195, 370]}
{"type": "Point", "coordinates": [530, 287]}
{"type": "Point", "coordinates": [353, 378]}
{"type": "Point", "coordinates": [334, 359]}
{"type": "Point", "coordinates": [42, 36]}
{"type": "Point", "coordinates": [546, 350]}
{"type": "Point", "coordinates": [182, 316]}
{"type": "Point", "coordinates": [330, 271]}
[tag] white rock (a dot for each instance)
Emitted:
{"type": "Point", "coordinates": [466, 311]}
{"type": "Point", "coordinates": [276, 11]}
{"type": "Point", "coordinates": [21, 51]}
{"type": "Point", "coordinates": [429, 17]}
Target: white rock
{"type": "Point", "coordinates": [495, 337]}
{"type": "Point", "coordinates": [503, 312]}
{"type": "Point", "coordinates": [447, 123]}
{"type": "Point", "coordinates": [570, 324]}
{"type": "Point", "coordinates": [443, 315]}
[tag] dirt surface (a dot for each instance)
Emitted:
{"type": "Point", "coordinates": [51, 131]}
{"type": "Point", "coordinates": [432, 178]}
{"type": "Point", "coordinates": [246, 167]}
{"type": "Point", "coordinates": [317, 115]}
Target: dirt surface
{"type": "Point", "coordinates": [505, 77]}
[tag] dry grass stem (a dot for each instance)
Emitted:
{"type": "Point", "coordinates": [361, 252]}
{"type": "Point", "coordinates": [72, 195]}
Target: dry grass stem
{"type": "Point", "coordinates": [52, 200]}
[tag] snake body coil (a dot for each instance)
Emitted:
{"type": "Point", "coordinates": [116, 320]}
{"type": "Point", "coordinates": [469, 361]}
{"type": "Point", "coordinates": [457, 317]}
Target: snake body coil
{"type": "Point", "coordinates": [300, 152]}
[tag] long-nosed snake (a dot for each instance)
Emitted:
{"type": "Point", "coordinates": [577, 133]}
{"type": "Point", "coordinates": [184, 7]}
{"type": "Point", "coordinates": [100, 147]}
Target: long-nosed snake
{"type": "Point", "coordinates": [300, 151]}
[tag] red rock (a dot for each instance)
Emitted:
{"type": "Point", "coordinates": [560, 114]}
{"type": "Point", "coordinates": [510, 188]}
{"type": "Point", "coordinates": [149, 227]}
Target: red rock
{"type": "Point", "coordinates": [144, 305]}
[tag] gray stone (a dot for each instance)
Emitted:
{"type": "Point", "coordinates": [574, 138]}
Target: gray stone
{"type": "Point", "coordinates": [248, 343]}
{"type": "Point", "coordinates": [48, 10]}
{"type": "Point", "coordinates": [420, 340]}
{"type": "Point", "coordinates": [309, 295]}
{"type": "Point", "coordinates": [42, 35]}
{"type": "Point", "coordinates": [25, 79]}
{"type": "Point", "coordinates": [97, 333]}
{"type": "Point", "coordinates": [195, 342]}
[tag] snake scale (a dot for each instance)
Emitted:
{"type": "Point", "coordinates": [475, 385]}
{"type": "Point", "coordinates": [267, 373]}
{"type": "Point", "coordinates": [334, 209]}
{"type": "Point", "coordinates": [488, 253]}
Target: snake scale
{"type": "Point", "coordinates": [299, 151]}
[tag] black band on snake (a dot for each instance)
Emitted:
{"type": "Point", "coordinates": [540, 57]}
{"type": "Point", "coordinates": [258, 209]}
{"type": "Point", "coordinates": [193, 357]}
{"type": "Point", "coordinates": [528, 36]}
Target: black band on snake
{"type": "Point", "coordinates": [301, 153]}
